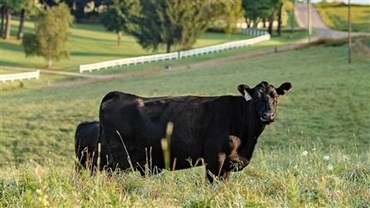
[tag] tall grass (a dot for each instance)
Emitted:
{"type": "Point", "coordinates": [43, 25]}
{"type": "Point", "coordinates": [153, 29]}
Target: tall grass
{"type": "Point", "coordinates": [296, 178]}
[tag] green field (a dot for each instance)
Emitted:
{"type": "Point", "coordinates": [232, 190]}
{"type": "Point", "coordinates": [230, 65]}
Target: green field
{"type": "Point", "coordinates": [316, 154]}
{"type": "Point", "coordinates": [335, 15]}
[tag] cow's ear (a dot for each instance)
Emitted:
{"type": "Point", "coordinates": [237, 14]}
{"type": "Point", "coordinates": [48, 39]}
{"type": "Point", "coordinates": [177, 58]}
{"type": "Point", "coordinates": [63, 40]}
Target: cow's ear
{"type": "Point", "coordinates": [284, 87]}
{"type": "Point", "coordinates": [245, 91]}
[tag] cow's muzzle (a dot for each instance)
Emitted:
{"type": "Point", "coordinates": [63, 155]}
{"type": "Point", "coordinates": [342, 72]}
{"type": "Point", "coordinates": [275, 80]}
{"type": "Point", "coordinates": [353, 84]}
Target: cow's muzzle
{"type": "Point", "coordinates": [267, 118]}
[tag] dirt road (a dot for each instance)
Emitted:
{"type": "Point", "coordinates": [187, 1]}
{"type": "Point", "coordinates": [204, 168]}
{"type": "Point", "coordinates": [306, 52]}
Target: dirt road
{"type": "Point", "coordinates": [319, 28]}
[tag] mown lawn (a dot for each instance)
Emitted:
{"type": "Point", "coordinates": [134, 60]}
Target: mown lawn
{"type": "Point", "coordinates": [335, 15]}
{"type": "Point", "coordinates": [315, 155]}
{"type": "Point", "coordinates": [90, 43]}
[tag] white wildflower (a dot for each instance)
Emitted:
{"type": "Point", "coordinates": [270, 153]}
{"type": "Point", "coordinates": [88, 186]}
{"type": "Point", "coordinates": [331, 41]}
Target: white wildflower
{"type": "Point", "coordinates": [330, 167]}
{"type": "Point", "coordinates": [304, 153]}
{"type": "Point", "coordinates": [326, 157]}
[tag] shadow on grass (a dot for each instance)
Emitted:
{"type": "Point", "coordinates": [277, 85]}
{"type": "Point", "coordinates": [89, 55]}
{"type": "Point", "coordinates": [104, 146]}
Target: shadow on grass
{"type": "Point", "coordinates": [82, 37]}
{"type": "Point", "coordinates": [116, 55]}
{"type": "Point", "coordinates": [15, 64]}
{"type": "Point", "coordinates": [11, 46]}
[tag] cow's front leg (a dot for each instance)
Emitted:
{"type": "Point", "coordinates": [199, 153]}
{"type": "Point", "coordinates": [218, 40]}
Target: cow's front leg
{"type": "Point", "coordinates": [216, 153]}
{"type": "Point", "coordinates": [214, 164]}
{"type": "Point", "coordinates": [215, 161]}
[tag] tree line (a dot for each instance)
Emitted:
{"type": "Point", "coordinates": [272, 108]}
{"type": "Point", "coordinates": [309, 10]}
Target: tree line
{"type": "Point", "coordinates": [172, 24]}
{"type": "Point", "coordinates": [169, 23]}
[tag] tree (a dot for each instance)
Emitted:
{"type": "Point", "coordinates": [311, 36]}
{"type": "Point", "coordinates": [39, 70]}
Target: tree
{"type": "Point", "coordinates": [256, 11]}
{"type": "Point", "coordinates": [28, 8]}
{"type": "Point", "coordinates": [251, 12]}
{"type": "Point", "coordinates": [172, 23]}
{"type": "Point", "coordinates": [262, 10]}
{"type": "Point", "coordinates": [118, 14]}
{"type": "Point", "coordinates": [280, 11]}
{"type": "Point", "coordinates": [232, 11]}
{"type": "Point", "coordinates": [168, 23]}
{"type": "Point", "coordinates": [8, 8]}
{"type": "Point", "coordinates": [51, 35]}
{"type": "Point", "coordinates": [3, 10]}
{"type": "Point", "coordinates": [77, 7]}
{"type": "Point", "coordinates": [48, 3]}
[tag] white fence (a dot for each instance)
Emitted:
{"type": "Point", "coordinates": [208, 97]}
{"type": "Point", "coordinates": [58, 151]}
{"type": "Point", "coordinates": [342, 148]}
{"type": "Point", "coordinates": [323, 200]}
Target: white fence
{"type": "Point", "coordinates": [225, 46]}
{"type": "Point", "coordinates": [175, 55]}
{"type": "Point", "coordinates": [20, 76]}
{"type": "Point", "coordinates": [253, 31]}
{"type": "Point", "coordinates": [128, 61]}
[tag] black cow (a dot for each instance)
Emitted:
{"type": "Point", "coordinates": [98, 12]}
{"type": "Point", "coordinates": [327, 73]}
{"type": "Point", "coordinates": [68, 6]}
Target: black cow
{"type": "Point", "coordinates": [86, 147]}
{"type": "Point", "coordinates": [223, 130]}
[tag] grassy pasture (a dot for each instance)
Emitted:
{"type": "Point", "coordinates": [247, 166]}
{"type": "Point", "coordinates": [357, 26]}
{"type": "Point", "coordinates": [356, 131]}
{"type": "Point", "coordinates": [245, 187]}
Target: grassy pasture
{"type": "Point", "coordinates": [315, 155]}
{"type": "Point", "coordinates": [335, 15]}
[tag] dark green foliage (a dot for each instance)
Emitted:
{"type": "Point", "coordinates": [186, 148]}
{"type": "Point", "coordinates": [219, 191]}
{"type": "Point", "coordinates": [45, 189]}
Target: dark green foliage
{"type": "Point", "coordinates": [172, 23]}
{"type": "Point", "coordinates": [156, 26]}
{"type": "Point", "coordinates": [118, 14]}
{"type": "Point", "coordinates": [30, 45]}
{"type": "Point", "coordinates": [260, 11]}
{"type": "Point", "coordinates": [256, 11]}
{"type": "Point", "coordinates": [169, 23]}
{"type": "Point", "coordinates": [111, 20]}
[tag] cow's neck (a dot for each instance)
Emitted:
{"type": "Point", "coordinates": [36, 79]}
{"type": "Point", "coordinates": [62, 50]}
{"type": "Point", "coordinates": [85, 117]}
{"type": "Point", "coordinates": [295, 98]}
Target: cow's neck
{"type": "Point", "coordinates": [249, 130]}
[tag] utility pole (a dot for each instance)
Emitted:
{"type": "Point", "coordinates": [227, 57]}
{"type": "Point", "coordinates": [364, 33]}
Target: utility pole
{"type": "Point", "coordinates": [309, 21]}
{"type": "Point", "coordinates": [292, 17]}
{"type": "Point", "coordinates": [349, 31]}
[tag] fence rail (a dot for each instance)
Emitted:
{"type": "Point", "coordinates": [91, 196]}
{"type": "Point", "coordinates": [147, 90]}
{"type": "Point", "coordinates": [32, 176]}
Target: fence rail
{"type": "Point", "coordinates": [225, 46]}
{"type": "Point", "coordinates": [20, 76]}
{"type": "Point", "coordinates": [175, 55]}
{"type": "Point", "coordinates": [128, 61]}
{"type": "Point", "coordinates": [253, 31]}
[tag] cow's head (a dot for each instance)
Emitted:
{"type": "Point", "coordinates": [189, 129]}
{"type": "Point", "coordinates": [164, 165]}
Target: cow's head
{"type": "Point", "coordinates": [264, 96]}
